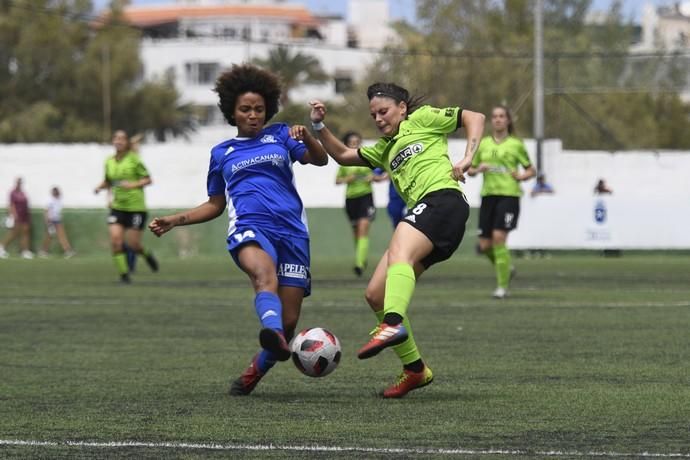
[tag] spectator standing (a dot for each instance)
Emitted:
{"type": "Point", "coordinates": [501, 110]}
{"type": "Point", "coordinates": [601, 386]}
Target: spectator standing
{"type": "Point", "coordinates": [19, 222]}
{"type": "Point", "coordinates": [55, 227]}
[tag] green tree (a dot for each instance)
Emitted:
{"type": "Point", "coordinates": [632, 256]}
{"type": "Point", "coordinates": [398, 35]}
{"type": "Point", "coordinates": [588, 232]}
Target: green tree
{"type": "Point", "coordinates": [477, 54]}
{"type": "Point", "coordinates": [53, 65]}
{"type": "Point", "coordinates": [295, 69]}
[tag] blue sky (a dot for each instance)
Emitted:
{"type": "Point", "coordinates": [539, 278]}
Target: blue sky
{"type": "Point", "coordinates": [405, 9]}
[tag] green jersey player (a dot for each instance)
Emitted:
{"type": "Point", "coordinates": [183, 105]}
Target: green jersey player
{"type": "Point", "coordinates": [413, 151]}
{"type": "Point", "coordinates": [125, 177]}
{"type": "Point", "coordinates": [359, 201]}
{"type": "Point", "coordinates": [500, 158]}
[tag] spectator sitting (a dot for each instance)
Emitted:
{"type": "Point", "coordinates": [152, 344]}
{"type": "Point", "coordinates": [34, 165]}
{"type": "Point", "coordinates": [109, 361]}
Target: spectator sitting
{"type": "Point", "coordinates": [541, 187]}
{"type": "Point", "coordinates": [601, 188]}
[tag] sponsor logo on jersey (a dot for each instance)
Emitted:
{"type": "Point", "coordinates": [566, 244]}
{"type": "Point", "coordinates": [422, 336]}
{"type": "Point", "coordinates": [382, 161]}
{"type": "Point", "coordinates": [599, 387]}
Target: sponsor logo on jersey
{"type": "Point", "coordinates": [229, 150]}
{"type": "Point", "coordinates": [292, 271]}
{"type": "Point", "coordinates": [409, 188]}
{"type": "Point", "coordinates": [449, 112]}
{"type": "Point", "coordinates": [405, 154]}
{"type": "Point", "coordinates": [268, 139]}
{"type": "Point", "coordinates": [498, 170]}
{"type": "Point", "coordinates": [275, 158]}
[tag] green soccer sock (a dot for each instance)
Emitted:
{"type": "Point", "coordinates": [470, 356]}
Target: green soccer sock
{"type": "Point", "coordinates": [406, 351]}
{"type": "Point", "coordinates": [489, 253]}
{"type": "Point", "coordinates": [120, 260]}
{"type": "Point", "coordinates": [361, 252]}
{"type": "Point", "coordinates": [503, 262]}
{"type": "Point", "coordinates": [400, 284]}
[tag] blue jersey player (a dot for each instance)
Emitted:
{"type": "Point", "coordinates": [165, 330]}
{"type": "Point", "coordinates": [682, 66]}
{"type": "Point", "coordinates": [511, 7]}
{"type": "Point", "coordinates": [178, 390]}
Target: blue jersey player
{"type": "Point", "coordinates": [251, 175]}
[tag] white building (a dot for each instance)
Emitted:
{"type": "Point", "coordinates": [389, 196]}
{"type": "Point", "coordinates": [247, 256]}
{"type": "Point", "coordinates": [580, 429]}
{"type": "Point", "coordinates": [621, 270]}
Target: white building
{"type": "Point", "coordinates": [195, 40]}
{"type": "Point", "coordinates": [666, 27]}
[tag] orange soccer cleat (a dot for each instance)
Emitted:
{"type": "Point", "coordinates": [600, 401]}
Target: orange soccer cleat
{"type": "Point", "coordinates": [409, 381]}
{"type": "Point", "coordinates": [384, 336]}
{"type": "Point", "coordinates": [246, 382]}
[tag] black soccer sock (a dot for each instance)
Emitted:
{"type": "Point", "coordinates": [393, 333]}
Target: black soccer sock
{"type": "Point", "coordinates": [392, 319]}
{"type": "Point", "coordinates": [415, 366]}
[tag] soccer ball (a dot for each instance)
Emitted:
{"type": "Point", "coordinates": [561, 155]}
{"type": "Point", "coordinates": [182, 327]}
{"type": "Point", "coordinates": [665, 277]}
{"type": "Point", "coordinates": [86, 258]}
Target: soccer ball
{"type": "Point", "coordinates": [316, 352]}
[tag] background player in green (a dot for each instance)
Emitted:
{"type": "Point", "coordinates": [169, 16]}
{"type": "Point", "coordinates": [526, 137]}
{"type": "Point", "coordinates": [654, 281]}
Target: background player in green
{"type": "Point", "coordinates": [413, 150]}
{"type": "Point", "coordinates": [499, 158]}
{"type": "Point", "coordinates": [126, 176]}
{"type": "Point", "coordinates": [359, 201]}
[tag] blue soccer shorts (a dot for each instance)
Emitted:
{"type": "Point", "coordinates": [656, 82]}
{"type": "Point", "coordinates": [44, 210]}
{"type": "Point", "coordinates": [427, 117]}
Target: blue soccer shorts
{"type": "Point", "coordinates": [290, 255]}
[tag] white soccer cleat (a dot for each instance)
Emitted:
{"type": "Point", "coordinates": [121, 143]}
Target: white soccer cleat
{"type": "Point", "coordinates": [3, 253]}
{"type": "Point", "coordinates": [27, 255]}
{"type": "Point", "coordinates": [500, 293]}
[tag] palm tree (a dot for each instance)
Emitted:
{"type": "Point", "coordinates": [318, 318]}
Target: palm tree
{"type": "Point", "coordinates": [294, 69]}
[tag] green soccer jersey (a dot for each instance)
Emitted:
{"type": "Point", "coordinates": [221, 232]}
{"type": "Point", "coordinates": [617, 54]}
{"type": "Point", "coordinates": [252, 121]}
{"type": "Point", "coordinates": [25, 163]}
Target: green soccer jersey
{"type": "Point", "coordinates": [416, 159]}
{"type": "Point", "coordinates": [503, 159]}
{"type": "Point", "coordinates": [360, 186]}
{"type": "Point", "coordinates": [128, 168]}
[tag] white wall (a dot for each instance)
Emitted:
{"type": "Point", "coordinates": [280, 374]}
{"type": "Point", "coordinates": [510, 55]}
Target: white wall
{"type": "Point", "coordinates": [601, 222]}
{"type": "Point", "coordinates": [179, 172]}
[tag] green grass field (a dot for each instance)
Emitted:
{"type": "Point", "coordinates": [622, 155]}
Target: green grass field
{"type": "Point", "coordinates": [590, 356]}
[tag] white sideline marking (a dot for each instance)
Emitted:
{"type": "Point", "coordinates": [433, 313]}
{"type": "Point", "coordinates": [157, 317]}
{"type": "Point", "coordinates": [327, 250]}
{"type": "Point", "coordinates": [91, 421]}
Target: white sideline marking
{"type": "Point", "coordinates": [317, 448]}
{"type": "Point", "coordinates": [433, 304]}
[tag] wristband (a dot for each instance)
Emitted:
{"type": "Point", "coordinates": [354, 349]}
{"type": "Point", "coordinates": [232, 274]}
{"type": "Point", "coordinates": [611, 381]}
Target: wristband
{"type": "Point", "coordinates": [317, 126]}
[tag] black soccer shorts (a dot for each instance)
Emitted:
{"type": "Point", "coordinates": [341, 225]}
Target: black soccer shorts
{"type": "Point", "coordinates": [361, 207]}
{"type": "Point", "coordinates": [498, 213]}
{"type": "Point", "coordinates": [441, 216]}
{"type": "Point", "coordinates": [128, 219]}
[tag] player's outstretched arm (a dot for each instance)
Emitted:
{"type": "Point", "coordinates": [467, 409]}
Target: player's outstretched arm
{"type": "Point", "coordinates": [336, 149]}
{"type": "Point", "coordinates": [209, 210]}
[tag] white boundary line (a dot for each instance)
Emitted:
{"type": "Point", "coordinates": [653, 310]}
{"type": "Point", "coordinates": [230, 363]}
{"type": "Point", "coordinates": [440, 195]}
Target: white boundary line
{"type": "Point", "coordinates": [318, 448]}
{"type": "Point", "coordinates": [220, 302]}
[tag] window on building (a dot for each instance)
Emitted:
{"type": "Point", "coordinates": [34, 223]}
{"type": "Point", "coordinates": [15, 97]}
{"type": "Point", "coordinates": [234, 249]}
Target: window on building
{"type": "Point", "coordinates": [209, 115]}
{"type": "Point", "coordinates": [343, 84]}
{"type": "Point", "coordinates": [201, 73]}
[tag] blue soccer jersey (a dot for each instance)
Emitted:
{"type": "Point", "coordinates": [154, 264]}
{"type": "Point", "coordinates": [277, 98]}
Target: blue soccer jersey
{"type": "Point", "coordinates": [256, 177]}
